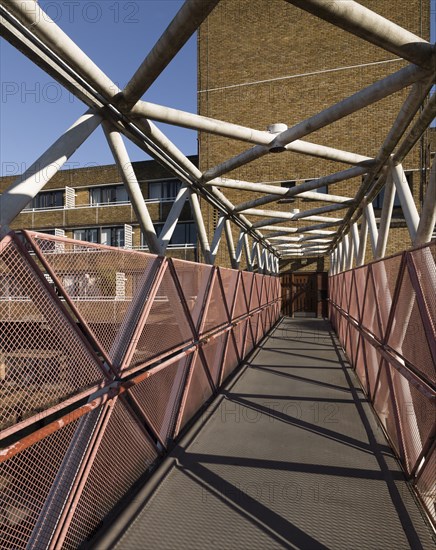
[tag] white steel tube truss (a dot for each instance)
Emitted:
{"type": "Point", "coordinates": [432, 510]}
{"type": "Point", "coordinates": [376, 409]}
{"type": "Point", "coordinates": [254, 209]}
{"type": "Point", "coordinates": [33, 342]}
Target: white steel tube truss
{"type": "Point", "coordinates": [29, 28]}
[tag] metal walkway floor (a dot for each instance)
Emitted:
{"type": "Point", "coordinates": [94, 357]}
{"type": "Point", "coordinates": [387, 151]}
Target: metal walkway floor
{"type": "Point", "coordinates": [290, 455]}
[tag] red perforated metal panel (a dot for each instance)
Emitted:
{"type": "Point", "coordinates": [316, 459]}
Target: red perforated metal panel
{"type": "Point", "coordinates": [229, 279]}
{"type": "Point", "coordinates": [426, 485]}
{"type": "Point", "coordinates": [213, 355]}
{"type": "Point", "coordinates": [408, 336]}
{"type": "Point", "coordinates": [27, 481]}
{"type": "Point", "coordinates": [198, 390]}
{"type": "Point", "coordinates": [103, 284]}
{"type": "Point", "coordinates": [395, 301]}
{"type": "Point", "coordinates": [216, 313]}
{"type": "Point", "coordinates": [124, 454]}
{"type": "Point", "coordinates": [194, 282]}
{"type": "Point", "coordinates": [43, 357]}
{"type": "Point", "coordinates": [166, 326]}
{"type": "Point", "coordinates": [159, 395]}
{"type": "Point", "coordinates": [231, 359]}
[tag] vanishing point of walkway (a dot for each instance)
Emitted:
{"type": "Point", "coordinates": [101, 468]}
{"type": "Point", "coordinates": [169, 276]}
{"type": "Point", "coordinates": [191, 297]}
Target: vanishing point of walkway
{"type": "Point", "coordinates": [289, 455]}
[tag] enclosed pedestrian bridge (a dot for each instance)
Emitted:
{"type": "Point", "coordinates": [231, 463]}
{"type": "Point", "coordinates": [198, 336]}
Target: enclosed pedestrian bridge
{"type": "Point", "coordinates": [236, 402]}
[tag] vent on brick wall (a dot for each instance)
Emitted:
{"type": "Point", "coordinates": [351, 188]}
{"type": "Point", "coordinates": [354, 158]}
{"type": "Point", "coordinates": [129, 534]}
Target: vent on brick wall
{"type": "Point", "coordinates": [70, 197]}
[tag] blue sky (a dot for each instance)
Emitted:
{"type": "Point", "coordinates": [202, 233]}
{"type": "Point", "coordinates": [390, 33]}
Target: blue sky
{"type": "Point", "coordinates": [117, 35]}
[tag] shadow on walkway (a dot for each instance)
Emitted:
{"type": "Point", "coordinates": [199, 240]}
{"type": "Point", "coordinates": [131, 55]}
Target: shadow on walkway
{"type": "Point", "coordinates": [289, 455]}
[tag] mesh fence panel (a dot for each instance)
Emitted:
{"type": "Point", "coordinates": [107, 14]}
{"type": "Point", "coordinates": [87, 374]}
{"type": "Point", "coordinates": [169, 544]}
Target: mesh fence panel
{"type": "Point", "coordinates": [213, 354]}
{"type": "Point", "coordinates": [385, 274]}
{"type": "Point", "coordinates": [231, 359]}
{"type": "Point", "coordinates": [360, 275]}
{"type": "Point", "coordinates": [385, 406]}
{"type": "Point", "coordinates": [426, 485]}
{"type": "Point", "coordinates": [194, 280]}
{"type": "Point", "coordinates": [395, 302]}
{"type": "Point", "coordinates": [216, 313]}
{"type": "Point", "coordinates": [360, 364]}
{"type": "Point", "coordinates": [158, 396]}
{"type": "Point", "coordinates": [370, 315]}
{"type": "Point", "coordinates": [136, 310]}
{"type": "Point", "coordinates": [124, 454]}
{"type": "Point", "coordinates": [241, 307]}
{"type": "Point", "coordinates": [26, 480]}
{"type": "Point", "coordinates": [166, 327]}
{"type": "Point", "coordinates": [199, 389]}
{"type": "Point", "coordinates": [229, 278]}
{"type": "Point", "coordinates": [417, 416]}
{"type": "Point", "coordinates": [347, 288]}
{"type": "Point", "coordinates": [408, 336]}
{"type": "Point", "coordinates": [43, 358]}
{"type": "Point", "coordinates": [247, 283]}
{"type": "Point", "coordinates": [255, 293]}
{"type": "Point", "coordinates": [353, 309]}
{"type": "Point", "coordinates": [424, 261]}
{"type": "Point", "coordinates": [239, 333]}
{"type": "Point", "coordinates": [103, 283]}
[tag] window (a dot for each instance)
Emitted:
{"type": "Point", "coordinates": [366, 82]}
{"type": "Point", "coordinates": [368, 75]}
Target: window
{"type": "Point", "coordinates": [111, 236]}
{"type": "Point", "coordinates": [184, 233]}
{"type": "Point", "coordinates": [108, 194]}
{"type": "Point", "coordinates": [377, 203]}
{"type": "Point", "coordinates": [164, 189]}
{"type": "Point", "coordinates": [47, 199]}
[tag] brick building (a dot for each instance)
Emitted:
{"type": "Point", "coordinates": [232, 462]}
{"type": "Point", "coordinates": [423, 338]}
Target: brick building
{"type": "Point", "coordinates": [270, 62]}
{"type": "Point", "coordinates": [91, 204]}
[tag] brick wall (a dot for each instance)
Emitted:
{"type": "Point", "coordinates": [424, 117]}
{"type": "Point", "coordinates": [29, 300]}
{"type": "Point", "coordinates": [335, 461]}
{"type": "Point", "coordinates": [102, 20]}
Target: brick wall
{"type": "Point", "coordinates": [265, 62]}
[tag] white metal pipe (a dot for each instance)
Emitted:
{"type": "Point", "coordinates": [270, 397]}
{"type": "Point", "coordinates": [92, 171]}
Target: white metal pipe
{"type": "Point", "coordinates": [27, 186]}
{"type": "Point", "coordinates": [385, 218]}
{"type": "Point", "coordinates": [344, 255]}
{"type": "Point", "coordinates": [426, 117]}
{"type": "Point", "coordinates": [285, 229]}
{"type": "Point", "coordinates": [172, 219]}
{"type": "Point", "coordinates": [363, 235]}
{"type": "Point", "coordinates": [346, 242]}
{"type": "Point", "coordinates": [230, 243]}
{"type": "Point", "coordinates": [239, 247]}
{"type": "Point", "coordinates": [372, 227]}
{"type": "Point", "coordinates": [322, 197]}
{"type": "Point", "coordinates": [373, 93]}
{"type": "Point", "coordinates": [128, 176]}
{"type": "Point", "coordinates": [286, 215]}
{"type": "Point", "coordinates": [350, 252]}
{"type": "Point", "coordinates": [163, 142]}
{"type": "Point", "coordinates": [218, 127]}
{"type": "Point", "coordinates": [411, 105]}
{"type": "Point", "coordinates": [247, 253]}
{"type": "Point", "coordinates": [356, 19]}
{"type": "Point", "coordinates": [41, 25]}
{"type": "Point", "coordinates": [355, 236]}
{"type": "Point", "coordinates": [216, 240]}
{"type": "Point", "coordinates": [182, 27]}
{"type": "Point", "coordinates": [199, 223]}
{"type": "Point", "coordinates": [428, 214]}
{"type": "Point", "coordinates": [308, 214]}
{"type": "Point", "coordinates": [303, 190]}
{"type": "Point", "coordinates": [406, 199]}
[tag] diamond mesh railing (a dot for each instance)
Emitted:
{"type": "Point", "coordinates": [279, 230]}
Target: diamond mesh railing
{"type": "Point", "coordinates": [106, 355]}
{"type": "Point", "coordinates": [384, 314]}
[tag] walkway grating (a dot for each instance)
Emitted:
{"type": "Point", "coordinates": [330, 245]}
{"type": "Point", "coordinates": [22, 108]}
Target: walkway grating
{"type": "Point", "coordinates": [290, 455]}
